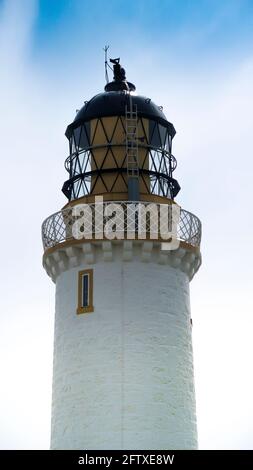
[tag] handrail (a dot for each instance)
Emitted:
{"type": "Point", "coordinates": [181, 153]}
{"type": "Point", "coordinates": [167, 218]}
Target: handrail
{"type": "Point", "coordinates": [57, 228]}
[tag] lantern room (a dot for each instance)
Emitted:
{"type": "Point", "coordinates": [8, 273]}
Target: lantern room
{"type": "Point", "coordinates": [120, 146]}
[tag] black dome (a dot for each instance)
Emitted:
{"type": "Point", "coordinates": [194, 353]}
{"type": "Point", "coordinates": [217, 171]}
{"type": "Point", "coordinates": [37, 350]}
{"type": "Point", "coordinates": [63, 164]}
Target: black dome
{"type": "Point", "coordinates": [112, 103]}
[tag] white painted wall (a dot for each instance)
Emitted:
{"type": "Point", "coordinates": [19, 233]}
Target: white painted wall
{"type": "Point", "coordinates": [123, 375]}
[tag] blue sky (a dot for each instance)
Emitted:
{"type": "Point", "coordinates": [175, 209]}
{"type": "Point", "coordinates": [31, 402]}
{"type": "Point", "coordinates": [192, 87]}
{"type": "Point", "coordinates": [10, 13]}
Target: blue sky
{"type": "Point", "coordinates": [196, 59]}
{"type": "Point", "coordinates": [81, 25]}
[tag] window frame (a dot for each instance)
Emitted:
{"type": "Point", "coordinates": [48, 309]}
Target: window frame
{"type": "Point", "coordinates": [89, 308]}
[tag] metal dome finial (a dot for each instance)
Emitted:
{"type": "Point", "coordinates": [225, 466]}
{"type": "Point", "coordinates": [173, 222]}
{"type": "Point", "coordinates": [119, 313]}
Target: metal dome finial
{"type": "Point", "coordinates": [119, 72]}
{"type": "Point", "coordinates": [119, 82]}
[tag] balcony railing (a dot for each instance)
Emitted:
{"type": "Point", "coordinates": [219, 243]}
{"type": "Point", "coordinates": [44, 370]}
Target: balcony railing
{"type": "Point", "coordinates": [94, 219]}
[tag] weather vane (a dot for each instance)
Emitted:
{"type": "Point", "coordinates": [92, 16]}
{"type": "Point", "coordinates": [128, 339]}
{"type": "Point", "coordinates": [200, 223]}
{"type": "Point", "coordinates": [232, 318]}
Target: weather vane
{"type": "Point", "coordinates": [105, 49]}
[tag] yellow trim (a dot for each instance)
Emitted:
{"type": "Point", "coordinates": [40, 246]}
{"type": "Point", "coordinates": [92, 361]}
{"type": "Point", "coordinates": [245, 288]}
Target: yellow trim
{"type": "Point", "coordinates": [108, 197]}
{"type": "Point", "coordinates": [72, 241]}
{"type": "Point", "coordinates": [80, 309]}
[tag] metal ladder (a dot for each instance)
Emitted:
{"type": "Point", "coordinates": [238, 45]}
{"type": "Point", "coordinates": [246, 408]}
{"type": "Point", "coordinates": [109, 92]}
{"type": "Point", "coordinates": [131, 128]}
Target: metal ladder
{"type": "Point", "coordinates": [132, 141]}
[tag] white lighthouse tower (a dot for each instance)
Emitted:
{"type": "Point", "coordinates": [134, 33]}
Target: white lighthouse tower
{"type": "Point", "coordinates": [123, 366]}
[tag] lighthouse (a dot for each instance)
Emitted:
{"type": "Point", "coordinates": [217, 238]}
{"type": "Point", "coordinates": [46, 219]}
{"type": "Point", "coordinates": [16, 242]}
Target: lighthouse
{"type": "Point", "coordinates": [123, 365]}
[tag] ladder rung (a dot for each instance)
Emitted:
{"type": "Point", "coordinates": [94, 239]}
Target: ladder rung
{"type": "Point", "coordinates": [131, 127]}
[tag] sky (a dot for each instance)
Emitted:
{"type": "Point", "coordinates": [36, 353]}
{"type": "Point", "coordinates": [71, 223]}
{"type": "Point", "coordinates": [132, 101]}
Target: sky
{"type": "Point", "coordinates": [195, 58]}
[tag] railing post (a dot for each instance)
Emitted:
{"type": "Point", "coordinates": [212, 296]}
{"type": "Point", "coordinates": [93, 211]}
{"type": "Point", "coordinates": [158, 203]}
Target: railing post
{"type": "Point", "coordinates": [54, 230]}
{"type": "Point", "coordinates": [190, 235]}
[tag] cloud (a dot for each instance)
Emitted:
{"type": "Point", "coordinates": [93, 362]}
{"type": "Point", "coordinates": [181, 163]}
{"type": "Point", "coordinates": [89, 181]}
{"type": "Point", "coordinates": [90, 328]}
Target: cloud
{"type": "Point", "coordinates": [210, 104]}
{"type": "Point", "coordinates": [17, 20]}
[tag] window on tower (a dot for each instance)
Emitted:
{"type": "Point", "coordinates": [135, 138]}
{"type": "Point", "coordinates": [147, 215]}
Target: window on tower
{"type": "Point", "coordinates": [85, 291]}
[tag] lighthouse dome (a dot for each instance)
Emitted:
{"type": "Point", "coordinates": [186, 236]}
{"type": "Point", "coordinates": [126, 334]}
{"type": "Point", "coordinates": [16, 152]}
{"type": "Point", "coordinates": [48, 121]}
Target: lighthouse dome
{"type": "Point", "coordinates": [117, 137]}
{"type": "Point", "coordinates": [113, 103]}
